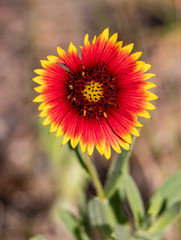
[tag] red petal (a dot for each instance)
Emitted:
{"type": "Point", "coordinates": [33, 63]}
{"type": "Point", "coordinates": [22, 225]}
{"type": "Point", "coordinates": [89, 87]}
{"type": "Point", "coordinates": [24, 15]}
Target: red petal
{"type": "Point", "coordinates": [73, 62]}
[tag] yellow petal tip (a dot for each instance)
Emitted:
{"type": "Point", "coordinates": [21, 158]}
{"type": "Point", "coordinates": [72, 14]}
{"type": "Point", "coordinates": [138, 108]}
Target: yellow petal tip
{"type": "Point", "coordinates": [105, 34]}
{"type": "Point", "coordinates": [38, 99]}
{"type": "Point", "coordinates": [60, 51]}
{"type": "Point", "coordinates": [72, 48]}
{"type": "Point", "coordinates": [114, 38]}
{"type": "Point", "coordinates": [136, 55]}
{"type": "Point", "coordinates": [47, 121]}
{"type": "Point", "coordinates": [86, 40]}
{"type": "Point", "coordinates": [39, 71]}
{"type": "Point", "coordinates": [53, 128]}
{"type": "Point", "coordinates": [74, 142]}
{"type": "Point", "coordinates": [128, 48]}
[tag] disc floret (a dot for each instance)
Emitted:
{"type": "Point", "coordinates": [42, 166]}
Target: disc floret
{"type": "Point", "coordinates": [93, 92]}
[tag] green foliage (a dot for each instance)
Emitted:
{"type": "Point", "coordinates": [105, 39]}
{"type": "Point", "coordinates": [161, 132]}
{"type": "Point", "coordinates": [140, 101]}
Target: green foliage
{"type": "Point", "coordinates": [101, 216]}
{"type": "Point", "coordinates": [143, 235]}
{"type": "Point", "coordinates": [156, 230]}
{"type": "Point", "coordinates": [164, 209]}
{"type": "Point", "coordinates": [166, 218]}
{"type": "Point", "coordinates": [134, 198]}
{"type": "Point", "coordinates": [121, 232]}
{"type": "Point", "coordinates": [73, 225]}
{"type": "Point", "coordinates": [166, 195]}
{"type": "Point", "coordinates": [118, 166]}
{"type": "Point", "coordinates": [83, 212]}
{"type": "Point", "coordinates": [115, 172]}
{"type": "Point", "coordinates": [117, 203]}
{"type": "Point", "coordinates": [80, 159]}
{"type": "Point", "coordinates": [107, 216]}
{"type": "Point", "coordinates": [71, 222]}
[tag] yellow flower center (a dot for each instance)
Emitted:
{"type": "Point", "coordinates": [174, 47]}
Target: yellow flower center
{"type": "Point", "coordinates": [93, 91]}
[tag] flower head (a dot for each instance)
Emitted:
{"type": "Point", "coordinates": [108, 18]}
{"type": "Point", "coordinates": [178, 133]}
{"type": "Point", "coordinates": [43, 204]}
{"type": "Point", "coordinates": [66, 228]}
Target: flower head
{"type": "Point", "coordinates": [95, 100]}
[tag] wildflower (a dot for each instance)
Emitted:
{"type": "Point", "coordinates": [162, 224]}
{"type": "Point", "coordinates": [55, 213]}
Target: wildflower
{"type": "Point", "coordinates": [95, 100]}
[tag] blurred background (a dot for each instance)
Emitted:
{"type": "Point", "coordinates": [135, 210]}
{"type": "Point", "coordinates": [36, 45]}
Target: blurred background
{"type": "Point", "coordinates": [37, 176]}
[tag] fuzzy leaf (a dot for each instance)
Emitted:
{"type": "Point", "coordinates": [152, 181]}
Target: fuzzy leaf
{"type": "Point", "coordinates": [143, 235]}
{"type": "Point", "coordinates": [167, 218]}
{"type": "Point", "coordinates": [84, 235]}
{"type": "Point", "coordinates": [84, 218]}
{"type": "Point", "coordinates": [71, 222]}
{"type": "Point", "coordinates": [121, 232]}
{"type": "Point", "coordinates": [167, 194]}
{"type": "Point", "coordinates": [134, 198]}
{"type": "Point", "coordinates": [118, 166]}
{"type": "Point", "coordinates": [100, 215]}
{"type": "Point", "coordinates": [117, 204]}
{"type": "Point", "coordinates": [115, 173]}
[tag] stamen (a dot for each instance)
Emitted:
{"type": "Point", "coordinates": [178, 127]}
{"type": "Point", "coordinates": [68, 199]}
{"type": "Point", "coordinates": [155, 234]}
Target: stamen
{"type": "Point", "coordinates": [105, 115]}
{"type": "Point", "coordinates": [93, 92]}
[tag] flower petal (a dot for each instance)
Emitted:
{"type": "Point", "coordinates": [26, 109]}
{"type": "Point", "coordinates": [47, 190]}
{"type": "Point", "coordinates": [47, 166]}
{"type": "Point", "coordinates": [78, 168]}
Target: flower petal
{"type": "Point", "coordinates": [40, 71]}
{"type": "Point", "coordinates": [115, 82]}
{"type": "Point", "coordinates": [113, 38]}
{"type": "Point", "coordinates": [105, 34]}
{"type": "Point", "coordinates": [128, 48]}
{"type": "Point", "coordinates": [61, 52]}
{"type": "Point", "coordinates": [39, 98]}
{"type": "Point", "coordinates": [39, 80]}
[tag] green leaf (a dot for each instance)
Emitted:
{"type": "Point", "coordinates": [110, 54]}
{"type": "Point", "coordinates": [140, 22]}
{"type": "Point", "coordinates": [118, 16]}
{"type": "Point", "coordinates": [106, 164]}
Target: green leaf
{"type": "Point", "coordinates": [115, 173]}
{"type": "Point", "coordinates": [117, 202]}
{"type": "Point", "coordinates": [84, 235]}
{"type": "Point", "coordinates": [77, 228]}
{"type": "Point", "coordinates": [167, 218]}
{"type": "Point", "coordinates": [80, 159]}
{"type": "Point", "coordinates": [100, 215]}
{"type": "Point", "coordinates": [167, 194]}
{"type": "Point", "coordinates": [38, 237]}
{"type": "Point", "coordinates": [143, 235]}
{"type": "Point", "coordinates": [71, 222]}
{"type": "Point", "coordinates": [84, 218]}
{"type": "Point", "coordinates": [121, 232]}
{"type": "Point", "coordinates": [118, 166]}
{"type": "Point", "coordinates": [134, 198]}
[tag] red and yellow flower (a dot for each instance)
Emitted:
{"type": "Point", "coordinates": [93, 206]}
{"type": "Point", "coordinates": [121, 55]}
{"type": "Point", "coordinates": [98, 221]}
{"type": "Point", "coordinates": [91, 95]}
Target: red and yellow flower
{"type": "Point", "coordinates": [95, 100]}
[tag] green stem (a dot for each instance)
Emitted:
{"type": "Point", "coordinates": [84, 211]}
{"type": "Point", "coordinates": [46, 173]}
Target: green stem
{"type": "Point", "coordinates": [95, 178]}
{"type": "Point", "coordinates": [80, 159]}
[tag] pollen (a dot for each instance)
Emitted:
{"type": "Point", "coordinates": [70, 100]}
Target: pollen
{"type": "Point", "coordinates": [105, 115]}
{"type": "Point", "coordinates": [84, 112]}
{"type": "Point", "coordinates": [93, 91]}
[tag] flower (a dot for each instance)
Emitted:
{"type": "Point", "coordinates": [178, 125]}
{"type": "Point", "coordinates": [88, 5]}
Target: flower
{"type": "Point", "coordinates": [95, 100]}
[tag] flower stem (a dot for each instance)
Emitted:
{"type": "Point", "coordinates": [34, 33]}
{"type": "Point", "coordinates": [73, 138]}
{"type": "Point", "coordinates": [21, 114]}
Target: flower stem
{"type": "Point", "coordinates": [95, 178]}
